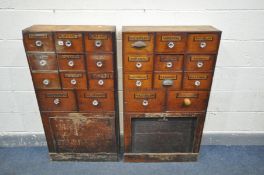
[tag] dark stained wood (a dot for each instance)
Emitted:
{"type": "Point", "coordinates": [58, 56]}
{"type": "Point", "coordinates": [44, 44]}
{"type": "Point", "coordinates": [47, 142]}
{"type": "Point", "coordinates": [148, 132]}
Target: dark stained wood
{"type": "Point", "coordinates": [161, 77]}
{"type": "Point", "coordinates": [68, 42]}
{"type": "Point", "coordinates": [73, 80]}
{"type": "Point", "coordinates": [99, 62]}
{"type": "Point", "coordinates": [91, 157]}
{"type": "Point", "coordinates": [43, 61]}
{"type": "Point", "coordinates": [46, 80]}
{"type": "Point", "coordinates": [71, 62]}
{"type": "Point", "coordinates": [168, 62]}
{"type": "Point", "coordinates": [103, 39]}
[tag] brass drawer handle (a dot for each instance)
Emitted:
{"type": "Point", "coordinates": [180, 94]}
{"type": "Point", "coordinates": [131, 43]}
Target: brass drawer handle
{"type": "Point", "coordinates": [139, 44]}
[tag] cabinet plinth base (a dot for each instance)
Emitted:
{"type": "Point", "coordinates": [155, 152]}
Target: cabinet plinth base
{"type": "Point", "coordinates": [96, 157]}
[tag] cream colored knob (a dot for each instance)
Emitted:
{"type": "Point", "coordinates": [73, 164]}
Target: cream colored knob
{"type": "Point", "coordinates": [68, 43]}
{"type": "Point", "coordinates": [197, 83]}
{"type": "Point", "coordinates": [138, 65]}
{"type": "Point", "coordinates": [43, 62]}
{"type": "Point", "coordinates": [169, 64]}
{"type": "Point", "coordinates": [202, 44]}
{"type": "Point", "coordinates": [145, 103]}
{"type": "Point", "coordinates": [101, 82]}
{"type": "Point", "coordinates": [98, 43]}
{"type": "Point", "coordinates": [56, 101]}
{"type": "Point", "coordinates": [38, 43]}
{"type": "Point", "coordinates": [138, 83]}
{"type": "Point", "coordinates": [71, 63]}
{"type": "Point", "coordinates": [171, 45]}
{"type": "Point", "coordinates": [99, 64]}
{"type": "Point", "coordinates": [187, 102]}
{"type": "Point", "coordinates": [73, 82]}
{"type": "Point", "coordinates": [200, 64]}
{"type": "Point", "coordinates": [46, 82]}
{"type": "Point", "coordinates": [95, 103]}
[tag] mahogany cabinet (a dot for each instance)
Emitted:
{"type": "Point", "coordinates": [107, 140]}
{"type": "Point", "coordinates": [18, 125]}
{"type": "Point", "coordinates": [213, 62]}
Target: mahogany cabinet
{"type": "Point", "coordinates": [74, 74]}
{"type": "Point", "coordinates": [167, 76]}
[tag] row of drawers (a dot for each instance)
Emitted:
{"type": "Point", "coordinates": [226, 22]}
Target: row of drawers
{"type": "Point", "coordinates": [80, 62]}
{"type": "Point", "coordinates": [80, 100]}
{"type": "Point", "coordinates": [171, 42]}
{"type": "Point", "coordinates": [165, 101]}
{"type": "Point", "coordinates": [69, 42]}
{"type": "Point", "coordinates": [169, 62]}
{"type": "Point", "coordinates": [168, 80]}
{"type": "Point", "coordinates": [73, 80]}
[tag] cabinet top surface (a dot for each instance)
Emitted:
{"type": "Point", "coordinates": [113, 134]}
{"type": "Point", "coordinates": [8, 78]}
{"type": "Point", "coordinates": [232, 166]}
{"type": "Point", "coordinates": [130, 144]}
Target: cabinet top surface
{"type": "Point", "coordinates": [169, 29]}
{"type": "Point", "coordinates": [53, 28]}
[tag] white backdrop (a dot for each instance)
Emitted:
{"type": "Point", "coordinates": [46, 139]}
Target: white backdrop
{"type": "Point", "coordinates": [237, 100]}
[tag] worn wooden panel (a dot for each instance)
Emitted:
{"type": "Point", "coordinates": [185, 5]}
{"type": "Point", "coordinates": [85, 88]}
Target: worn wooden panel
{"type": "Point", "coordinates": [38, 42]}
{"type": "Point", "coordinates": [99, 62]}
{"type": "Point", "coordinates": [101, 81]}
{"type": "Point", "coordinates": [199, 63]}
{"type": "Point", "coordinates": [42, 61]}
{"type": "Point", "coordinates": [168, 62]}
{"type": "Point", "coordinates": [137, 80]}
{"type": "Point", "coordinates": [197, 80]}
{"type": "Point", "coordinates": [73, 80]}
{"type": "Point", "coordinates": [140, 43]}
{"type": "Point", "coordinates": [71, 62]}
{"type": "Point", "coordinates": [138, 63]}
{"type": "Point", "coordinates": [169, 80]}
{"type": "Point", "coordinates": [98, 42]}
{"type": "Point", "coordinates": [67, 42]}
{"type": "Point", "coordinates": [46, 80]}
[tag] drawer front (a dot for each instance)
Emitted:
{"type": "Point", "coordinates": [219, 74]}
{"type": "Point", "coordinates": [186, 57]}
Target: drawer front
{"type": "Point", "coordinates": [144, 101]}
{"type": "Point", "coordinates": [68, 42]}
{"type": "Point", "coordinates": [73, 80]}
{"type": "Point", "coordinates": [99, 62]}
{"type": "Point", "coordinates": [133, 62]}
{"type": "Point", "coordinates": [80, 132]}
{"type": "Point", "coordinates": [138, 81]}
{"type": "Point", "coordinates": [42, 61]}
{"type": "Point", "coordinates": [168, 62]}
{"type": "Point", "coordinates": [98, 42]}
{"type": "Point", "coordinates": [199, 62]}
{"type": "Point", "coordinates": [71, 62]}
{"type": "Point", "coordinates": [96, 101]}
{"type": "Point", "coordinates": [187, 101]}
{"type": "Point", "coordinates": [46, 80]}
{"type": "Point", "coordinates": [197, 81]}
{"type": "Point", "coordinates": [168, 80]}
{"type": "Point", "coordinates": [138, 43]}
{"type": "Point", "coordinates": [56, 100]}
{"type": "Point", "coordinates": [38, 42]}
{"type": "Point", "coordinates": [203, 43]}
{"type": "Point", "coordinates": [101, 81]}
{"type": "Point", "coordinates": [170, 42]}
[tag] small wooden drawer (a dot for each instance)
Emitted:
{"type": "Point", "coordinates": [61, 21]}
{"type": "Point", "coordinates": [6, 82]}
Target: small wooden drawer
{"type": "Point", "coordinates": [69, 42]}
{"type": "Point", "coordinates": [99, 62]}
{"type": "Point", "coordinates": [38, 42]}
{"type": "Point", "coordinates": [168, 62]}
{"type": "Point", "coordinates": [138, 43]}
{"type": "Point", "coordinates": [98, 42]}
{"type": "Point", "coordinates": [46, 80]}
{"type": "Point", "coordinates": [197, 81]}
{"type": "Point", "coordinates": [170, 42]}
{"type": "Point", "coordinates": [137, 81]}
{"type": "Point", "coordinates": [199, 63]}
{"type": "Point", "coordinates": [144, 101]}
{"type": "Point", "coordinates": [187, 100]}
{"type": "Point", "coordinates": [56, 100]}
{"type": "Point", "coordinates": [169, 80]}
{"type": "Point", "coordinates": [101, 81]}
{"type": "Point", "coordinates": [71, 62]}
{"type": "Point", "coordinates": [96, 100]}
{"type": "Point", "coordinates": [42, 61]}
{"type": "Point", "coordinates": [140, 63]}
{"type": "Point", "coordinates": [73, 80]}
{"type": "Point", "coordinates": [203, 43]}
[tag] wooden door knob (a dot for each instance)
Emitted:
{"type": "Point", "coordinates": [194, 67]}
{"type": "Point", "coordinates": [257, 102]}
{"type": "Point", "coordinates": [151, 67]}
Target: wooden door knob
{"type": "Point", "coordinates": [187, 102]}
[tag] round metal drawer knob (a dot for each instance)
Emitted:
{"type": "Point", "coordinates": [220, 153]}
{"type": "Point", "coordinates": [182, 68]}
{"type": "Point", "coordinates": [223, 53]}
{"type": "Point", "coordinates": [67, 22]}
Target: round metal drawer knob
{"type": "Point", "coordinates": [71, 63]}
{"type": "Point", "coordinates": [145, 103]}
{"type": "Point", "coordinates": [169, 64]}
{"type": "Point", "coordinates": [68, 43]}
{"type": "Point", "coordinates": [38, 43]}
{"type": "Point", "coordinates": [95, 103]}
{"type": "Point", "coordinates": [171, 45]}
{"type": "Point", "coordinates": [73, 82]}
{"type": "Point", "coordinates": [56, 101]}
{"type": "Point", "coordinates": [200, 64]}
{"type": "Point", "coordinates": [101, 82]}
{"type": "Point", "coordinates": [98, 43]}
{"type": "Point", "coordinates": [46, 82]}
{"type": "Point", "coordinates": [197, 83]}
{"type": "Point", "coordinates": [99, 64]}
{"type": "Point", "coordinates": [202, 45]}
{"type": "Point", "coordinates": [138, 83]}
{"type": "Point", "coordinates": [187, 102]}
{"type": "Point", "coordinates": [43, 62]}
{"type": "Point", "coordinates": [138, 65]}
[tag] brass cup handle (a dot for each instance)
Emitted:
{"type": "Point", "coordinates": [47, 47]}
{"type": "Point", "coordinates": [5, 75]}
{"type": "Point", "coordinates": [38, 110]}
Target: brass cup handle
{"type": "Point", "coordinates": [187, 102]}
{"type": "Point", "coordinates": [38, 43]}
{"type": "Point", "coordinates": [139, 44]}
{"type": "Point", "coordinates": [56, 101]}
{"type": "Point", "coordinates": [43, 62]}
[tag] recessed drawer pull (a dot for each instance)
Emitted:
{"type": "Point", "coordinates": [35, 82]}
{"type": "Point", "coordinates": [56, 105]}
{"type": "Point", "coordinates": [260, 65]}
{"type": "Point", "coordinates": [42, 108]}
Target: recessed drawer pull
{"type": "Point", "coordinates": [43, 62]}
{"type": "Point", "coordinates": [38, 43]}
{"type": "Point", "coordinates": [138, 65]}
{"type": "Point", "coordinates": [169, 64]}
{"type": "Point", "coordinates": [139, 44]}
{"type": "Point", "coordinates": [46, 82]}
{"type": "Point", "coordinates": [200, 64]}
{"type": "Point", "coordinates": [98, 43]}
{"type": "Point", "coordinates": [95, 103]}
{"type": "Point", "coordinates": [202, 44]}
{"type": "Point", "coordinates": [145, 103]}
{"type": "Point", "coordinates": [138, 83]}
{"type": "Point", "coordinates": [101, 82]}
{"type": "Point", "coordinates": [71, 63]}
{"type": "Point", "coordinates": [167, 82]}
{"type": "Point", "coordinates": [68, 43]}
{"type": "Point", "coordinates": [197, 83]}
{"type": "Point", "coordinates": [171, 45]}
{"type": "Point", "coordinates": [73, 82]}
{"type": "Point", "coordinates": [187, 102]}
{"type": "Point", "coordinates": [56, 101]}
{"type": "Point", "coordinates": [99, 64]}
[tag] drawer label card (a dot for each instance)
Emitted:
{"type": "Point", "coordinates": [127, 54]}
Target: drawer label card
{"type": "Point", "coordinates": [138, 77]}
{"type": "Point", "coordinates": [70, 56]}
{"type": "Point", "coordinates": [144, 96]}
{"type": "Point", "coordinates": [186, 95]}
{"type": "Point", "coordinates": [171, 38]}
{"type": "Point", "coordinates": [203, 38]}
{"type": "Point", "coordinates": [197, 76]}
{"type": "Point", "coordinates": [139, 38]}
{"type": "Point", "coordinates": [37, 35]}
{"type": "Point", "coordinates": [57, 95]}
{"type": "Point", "coordinates": [170, 77]}
{"type": "Point", "coordinates": [95, 95]}
{"type": "Point", "coordinates": [200, 58]}
{"type": "Point", "coordinates": [69, 36]}
{"type": "Point", "coordinates": [169, 58]}
{"type": "Point", "coordinates": [138, 58]}
{"type": "Point", "coordinates": [71, 75]}
{"type": "Point", "coordinates": [101, 76]}
{"type": "Point", "coordinates": [98, 36]}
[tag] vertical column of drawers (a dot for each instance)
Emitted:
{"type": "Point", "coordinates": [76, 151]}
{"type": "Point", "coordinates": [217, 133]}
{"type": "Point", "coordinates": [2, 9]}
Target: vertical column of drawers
{"type": "Point", "coordinates": [73, 70]}
{"type": "Point", "coordinates": [168, 73]}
